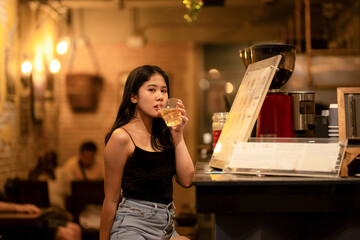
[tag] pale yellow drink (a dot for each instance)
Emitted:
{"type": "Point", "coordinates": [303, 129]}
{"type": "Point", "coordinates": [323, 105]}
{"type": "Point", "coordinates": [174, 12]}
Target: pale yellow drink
{"type": "Point", "coordinates": [171, 116]}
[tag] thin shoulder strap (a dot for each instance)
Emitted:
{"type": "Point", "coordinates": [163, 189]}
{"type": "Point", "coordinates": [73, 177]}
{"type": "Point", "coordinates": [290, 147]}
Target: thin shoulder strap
{"type": "Point", "coordinates": [130, 136]}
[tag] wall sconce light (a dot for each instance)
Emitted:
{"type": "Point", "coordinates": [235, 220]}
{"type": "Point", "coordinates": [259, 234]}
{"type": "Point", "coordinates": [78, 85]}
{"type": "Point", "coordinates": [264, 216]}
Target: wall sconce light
{"type": "Point", "coordinates": [26, 71]}
{"type": "Point", "coordinates": [26, 67]}
{"type": "Point", "coordinates": [54, 66]}
{"type": "Point", "coordinates": [63, 46]}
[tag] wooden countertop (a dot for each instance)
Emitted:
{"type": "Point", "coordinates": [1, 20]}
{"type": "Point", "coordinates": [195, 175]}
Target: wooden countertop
{"type": "Point", "coordinates": [224, 193]}
{"type": "Point", "coordinates": [205, 175]}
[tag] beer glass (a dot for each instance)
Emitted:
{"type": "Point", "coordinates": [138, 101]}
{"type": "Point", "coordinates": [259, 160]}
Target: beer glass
{"type": "Point", "coordinates": [170, 113]}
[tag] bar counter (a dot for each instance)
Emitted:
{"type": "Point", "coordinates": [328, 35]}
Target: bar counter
{"type": "Point", "coordinates": [272, 207]}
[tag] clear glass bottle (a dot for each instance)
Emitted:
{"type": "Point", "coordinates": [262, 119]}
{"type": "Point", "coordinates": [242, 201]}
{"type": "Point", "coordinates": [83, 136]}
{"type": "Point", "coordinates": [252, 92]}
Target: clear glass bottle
{"type": "Point", "coordinates": [218, 122]}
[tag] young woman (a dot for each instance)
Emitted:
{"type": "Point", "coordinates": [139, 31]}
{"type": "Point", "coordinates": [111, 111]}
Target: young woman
{"type": "Point", "coordinates": [142, 155]}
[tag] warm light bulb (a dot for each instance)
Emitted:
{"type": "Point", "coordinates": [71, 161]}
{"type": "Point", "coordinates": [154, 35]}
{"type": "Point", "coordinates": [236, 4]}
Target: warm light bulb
{"type": "Point", "coordinates": [26, 67]}
{"type": "Point", "coordinates": [204, 84]}
{"type": "Point", "coordinates": [55, 66]}
{"type": "Point", "coordinates": [214, 73]}
{"type": "Point", "coordinates": [62, 47]}
{"type": "Point", "coordinates": [229, 87]}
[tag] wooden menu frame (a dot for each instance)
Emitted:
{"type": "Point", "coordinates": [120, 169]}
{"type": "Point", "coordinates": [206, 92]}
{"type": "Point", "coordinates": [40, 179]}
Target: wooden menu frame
{"type": "Point", "coordinates": [351, 152]}
{"type": "Point", "coordinates": [245, 109]}
{"type": "Point", "coordinates": [341, 109]}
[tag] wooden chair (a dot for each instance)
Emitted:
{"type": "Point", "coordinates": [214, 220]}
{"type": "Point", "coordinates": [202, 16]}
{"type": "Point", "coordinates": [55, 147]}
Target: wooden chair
{"type": "Point", "coordinates": [83, 194]}
{"type": "Point", "coordinates": [28, 191]}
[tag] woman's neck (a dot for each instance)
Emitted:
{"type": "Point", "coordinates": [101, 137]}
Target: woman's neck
{"type": "Point", "coordinates": [142, 122]}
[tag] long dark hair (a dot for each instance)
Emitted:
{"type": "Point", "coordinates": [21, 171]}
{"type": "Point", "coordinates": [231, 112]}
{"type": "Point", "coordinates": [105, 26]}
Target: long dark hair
{"type": "Point", "coordinates": [46, 165]}
{"type": "Point", "coordinates": [160, 136]}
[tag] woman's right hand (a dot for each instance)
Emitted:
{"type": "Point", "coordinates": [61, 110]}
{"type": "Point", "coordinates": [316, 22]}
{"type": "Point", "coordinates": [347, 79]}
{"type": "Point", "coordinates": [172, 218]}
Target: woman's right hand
{"type": "Point", "coordinates": [180, 127]}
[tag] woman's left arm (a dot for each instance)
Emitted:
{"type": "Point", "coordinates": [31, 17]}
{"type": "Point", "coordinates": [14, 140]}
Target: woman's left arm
{"type": "Point", "coordinates": [184, 163]}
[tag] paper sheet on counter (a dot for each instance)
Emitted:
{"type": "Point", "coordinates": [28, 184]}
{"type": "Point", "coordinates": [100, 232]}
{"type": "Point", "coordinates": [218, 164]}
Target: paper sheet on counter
{"type": "Point", "coordinates": [286, 156]}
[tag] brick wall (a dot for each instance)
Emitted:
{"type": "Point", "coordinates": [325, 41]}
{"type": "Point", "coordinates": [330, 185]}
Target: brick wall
{"type": "Point", "coordinates": [10, 158]}
{"type": "Point", "coordinates": [19, 150]}
{"type": "Point", "coordinates": [23, 140]}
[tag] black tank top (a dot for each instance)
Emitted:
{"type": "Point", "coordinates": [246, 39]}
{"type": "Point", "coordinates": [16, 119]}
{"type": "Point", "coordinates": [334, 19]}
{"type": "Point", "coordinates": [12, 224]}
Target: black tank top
{"type": "Point", "coordinates": [148, 175]}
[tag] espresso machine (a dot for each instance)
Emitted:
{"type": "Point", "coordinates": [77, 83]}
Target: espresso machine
{"type": "Point", "coordinates": [275, 118]}
{"type": "Point", "coordinates": [303, 107]}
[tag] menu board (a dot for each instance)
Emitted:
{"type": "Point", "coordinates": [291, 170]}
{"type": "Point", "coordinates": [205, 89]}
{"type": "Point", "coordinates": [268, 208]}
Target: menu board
{"type": "Point", "coordinates": [245, 109]}
{"type": "Point", "coordinates": [314, 157]}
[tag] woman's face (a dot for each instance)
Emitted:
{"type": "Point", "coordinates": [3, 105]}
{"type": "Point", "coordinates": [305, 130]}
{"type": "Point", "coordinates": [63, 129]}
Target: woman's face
{"type": "Point", "coordinates": [151, 96]}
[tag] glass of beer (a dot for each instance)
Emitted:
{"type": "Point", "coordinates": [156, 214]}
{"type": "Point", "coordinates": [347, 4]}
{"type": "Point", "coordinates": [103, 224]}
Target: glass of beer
{"type": "Point", "coordinates": [170, 112]}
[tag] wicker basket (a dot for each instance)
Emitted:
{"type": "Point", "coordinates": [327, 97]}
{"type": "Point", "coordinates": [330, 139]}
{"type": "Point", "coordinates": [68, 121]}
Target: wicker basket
{"type": "Point", "coordinates": [83, 91]}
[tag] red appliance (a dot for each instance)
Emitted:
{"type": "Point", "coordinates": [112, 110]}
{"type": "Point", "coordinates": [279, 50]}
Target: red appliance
{"type": "Point", "coordinates": [275, 117]}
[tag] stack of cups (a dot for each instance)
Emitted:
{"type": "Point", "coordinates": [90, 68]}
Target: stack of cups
{"type": "Point", "coordinates": [333, 121]}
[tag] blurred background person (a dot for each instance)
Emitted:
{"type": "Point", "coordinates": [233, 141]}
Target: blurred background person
{"type": "Point", "coordinates": [53, 228]}
{"type": "Point", "coordinates": [61, 223]}
{"type": "Point", "coordinates": [58, 179]}
{"type": "Point", "coordinates": [18, 207]}
{"type": "Point", "coordinates": [86, 165]}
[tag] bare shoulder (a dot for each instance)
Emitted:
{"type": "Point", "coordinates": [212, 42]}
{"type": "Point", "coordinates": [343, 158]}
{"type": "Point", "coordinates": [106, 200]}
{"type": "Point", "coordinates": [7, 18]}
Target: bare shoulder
{"type": "Point", "coordinates": [120, 136]}
{"type": "Point", "coordinates": [119, 143]}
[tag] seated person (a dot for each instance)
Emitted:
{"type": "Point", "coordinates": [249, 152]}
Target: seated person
{"type": "Point", "coordinates": [86, 165]}
{"type": "Point", "coordinates": [66, 231]}
{"type": "Point", "coordinates": [45, 168]}
{"type": "Point", "coordinates": [59, 180]}
{"type": "Point", "coordinates": [19, 208]}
